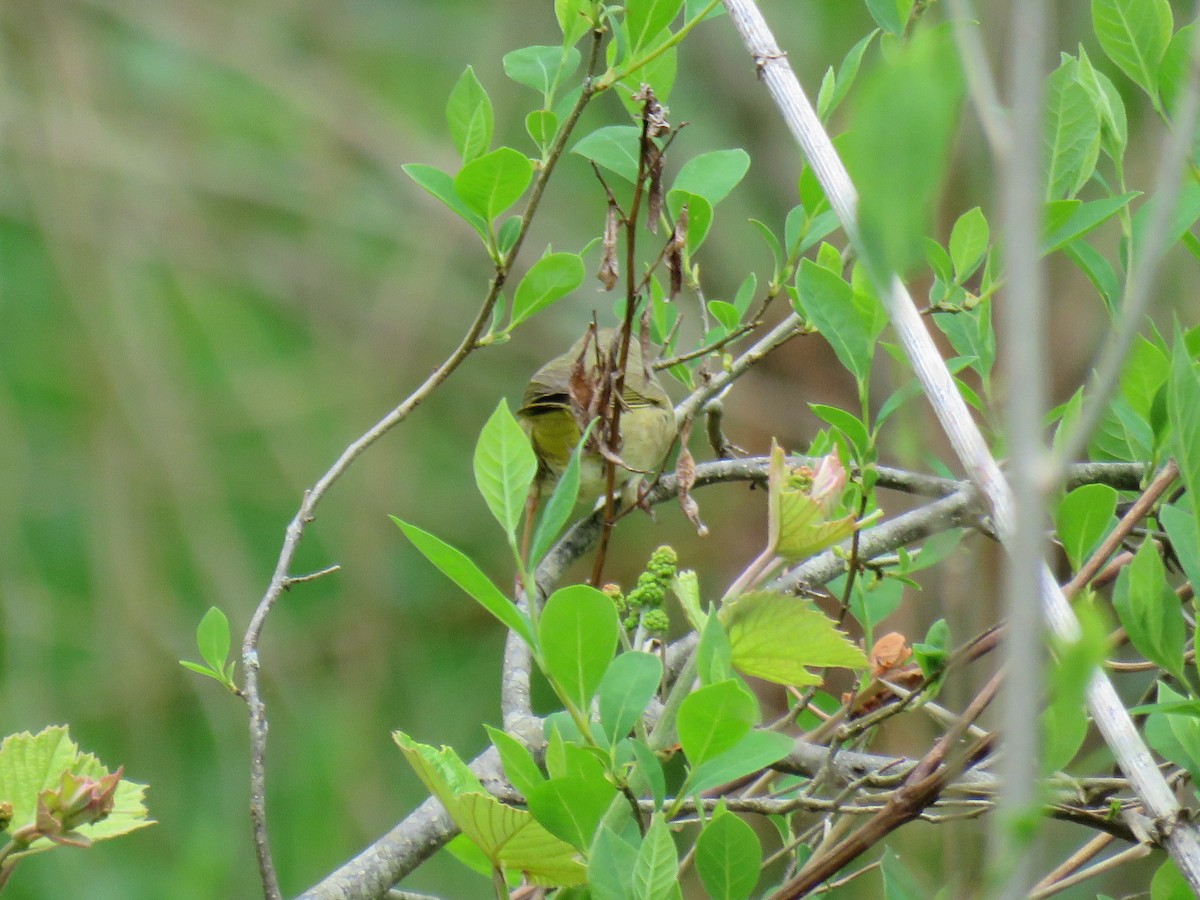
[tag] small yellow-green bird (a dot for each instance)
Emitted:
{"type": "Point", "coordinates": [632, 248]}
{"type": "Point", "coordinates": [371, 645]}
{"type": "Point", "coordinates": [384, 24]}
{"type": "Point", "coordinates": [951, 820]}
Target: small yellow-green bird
{"type": "Point", "coordinates": [647, 422]}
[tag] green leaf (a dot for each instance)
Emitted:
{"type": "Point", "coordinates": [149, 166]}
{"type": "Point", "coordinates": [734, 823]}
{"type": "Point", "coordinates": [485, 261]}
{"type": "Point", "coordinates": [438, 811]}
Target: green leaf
{"type": "Point", "coordinates": [571, 807]}
{"type": "Point", "coordinates": [1169, 884]}
{"type": "Point", "coordinates": [550, 278]}
{"type": "Point", "coordinates": [440, 185]}
{"type": "Point", "coordinates": [1175, 736]}
{"type": "Point", "coordinates": [968, 243]}
{"type": "Point", "coordinates": [752, 753]}
{"type": "Point", "coordinates": [505, 466]}
{"type": "Point", "coordinates": [1183, 400]}
{"type": "Point", "coordinates": [654, 875]}
{"type": "Point", "coordinates": [714, 656]}
{"type": "Point", "coordinates": [849, 425]}
{"type": "Point", "coordinates": [469, 114]}
{"type": "Point", "coordinates": [932, 654]}
{"type": "Point", "coordinates": [700, 216]}
{"type": "Point", "coordinates": [714, 718]}
{"type": "Point", "coordinates": [1173, 71]}
{"type": "Point", "coordinates": [846, 74]}
{"type": "Point", "coordinates": [728, 857]}
{"type": "Point", "coordinates": [495, 181]}
{"type": "Point", "coordinates": [1146, 370]}
{"type": "Point", "coordinates": [509, 837]}
{"type": "Point", "coordinates": [773, 636]}
{"type": "Point", "coordinates": [610, 866]}
{"type": "Point", "coordinates": [614, 147]}
{"type": "Point", "coordinates": [1085, 515]}
{"type": "Point", "coordinates": [1150, 611]}
{"type": "Point", "coordinates": [712, 175]}
{"type": "Point", "coordinates": [542, 126]}
{"type": "Point", "coordinates": [828, 302]}
{"type": "Point", "coordinates": [648, 777]}
{"type": "Point", "coordinates": [33, 763]}
{"type": "Point", "coordinates": [1073, 663]}
{"type": "Point", "coordinates": [1083, 219]}
{"type": "Point", "coordinates": [645, 19]}
{"type": "Point", "coordinates": [558, 508]}
{"type": "Point", "coordinates": [1122, 435]}
{"type": "Point", "coordinates": [891, 15]}
{"type": "Point", "coordinates": [628, 686]}
{"type": "Point", "coordinates": [519, 767]}
{"type": "Point", "coordinates": [1114, 128]}
{"type": "Point", "coordinates": [212, 638]}
{"type": "Point", "coordinates": [1134, 34]}
{"type": "Point", "coordinates": [541, 68]}
{"type": "Point", "coordinates": [456, 566]}
{"type": "Point", "coordinates": [871, 604]}
{"type": "Point", "coordinates": [574, 19]}
{"type": "Point", "coordinates": [971, 335]}
{"type": "Point", "coordinates": [725, 313]}
{"type": "Point", "coordinates": [1072, 131]}
{"type": "Point", "coordinates": [578, 633]}
{"type": "Point", "coordinates": [1098, 270]}
{"type": "Point", "coordinates": [898, 882]}
{"type": "Point", "coordinates": [908, 104]}
{"type": "Point", "coordinates": [1184, 535]}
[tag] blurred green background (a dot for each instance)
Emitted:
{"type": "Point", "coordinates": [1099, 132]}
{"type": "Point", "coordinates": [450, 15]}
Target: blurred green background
{"type": "Point", "coordinates": [213, 276]}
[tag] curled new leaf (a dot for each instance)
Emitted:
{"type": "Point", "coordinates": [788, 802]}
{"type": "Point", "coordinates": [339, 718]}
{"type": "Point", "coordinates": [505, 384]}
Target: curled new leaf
{"type": "Point", "coordinates": [800, 502]}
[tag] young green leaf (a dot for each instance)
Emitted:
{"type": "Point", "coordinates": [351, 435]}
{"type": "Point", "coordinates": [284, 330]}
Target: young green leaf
{"type": "Point", "coordinates": [440, 185]}
{"type": "Point", "coordinates": [614, 147]}
{"type": "Point", "coordinates": [1183, 400]}
{"type": "Point", "coordinates": [542, 126]}
{"type": "Point", "coordinates": [908, 104]}
{"type": "Point", "coordinates": [898, 882]}
{"type": "Point", "coordinates": [645, 19]}
{"type": "Point", "coordinates": [578, 633]}
{"type": "Point", "coordinates": [610, 865]}
{"type": "Point", "coordinates": [1150, 611]}
{"type": "Point", "coordinates": [714, 718]}
{"type": "Point", "coordinates": [549, 279]}
{"type": "Point", "coordinates": [1134, 34]}
{"type": "Point", "coordinates": [712, 175]}
{"type": "Point", "coordinates": [891, 15]}
{"type": "Point", "coordinates": [212, 638]}
{"type": "Point", "coordinates": [627, 687]}
{"type": "Point", "coordinates": [469, 114]}
{"type": "Point", "coordinates": [505, 466]}
{"type": "Point", "coordinates": [1072, 132]}
{"type": "Point", "coordinates": [510, 838]}
{"type": "Point", "coordinates": [774, 637]}
{"type": "Point", "coordinates": [49, 762]}
{"type": "Point", "coordinates": [654, 876]}
{"type": "Point", "coordinates": [1085, 515]}
{"type": "Point", "coordinates": [574, 19]}
{"type": "Point", "coordinates": [1081, 219]}
{"type": "Point", "coordinates": [752, 753]}
{"type": "Point", "coordinates": [1169, 884]}
{"type": "Point", "coordinates": [519, 766]}
{"type": "Point", "coordinates": [558, 508]}
{"type": "Point", "coordinates": [968, 243]}
{"type": "Point", "coordinates": [827, 301]}
{"type": "Point", "coordinates": [493, 182]}
{"type": "Point", "coordinates": [571, 807]}
{"type": "Point", "coordinates": [1184, 535]}
{"type": "Point", "coordinates": [458, 567]}
{"type": "Point", "coordinates": [541, 68]}
{"type": "Point", "coordinates": [728, 858]}
{"type": "Point", "coordinates": [714, 657]}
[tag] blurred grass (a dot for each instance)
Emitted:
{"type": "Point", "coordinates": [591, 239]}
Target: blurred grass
{"type": "Point", "coordinates": [213, 276]}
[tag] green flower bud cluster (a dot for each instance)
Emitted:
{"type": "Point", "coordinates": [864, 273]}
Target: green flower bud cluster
{"type": "Point", "coordinates": [645, 603]}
